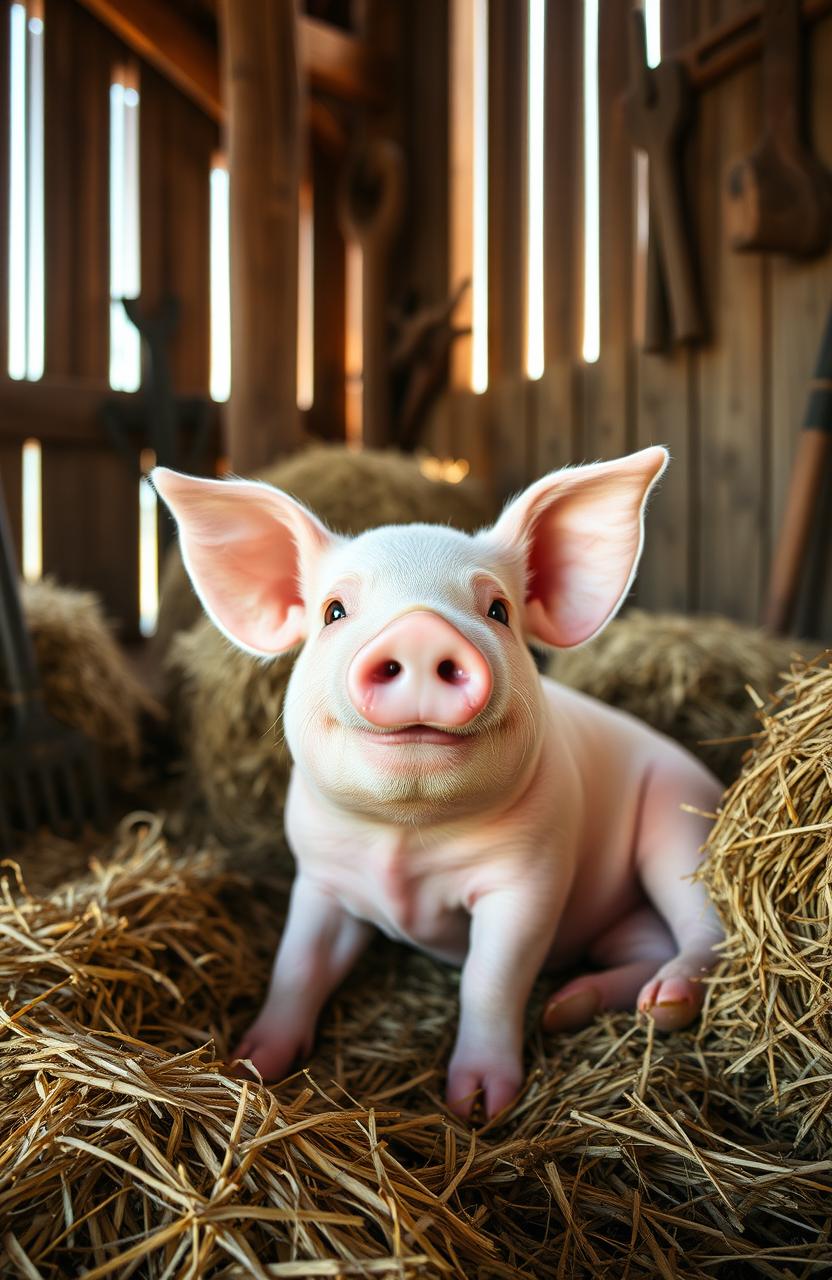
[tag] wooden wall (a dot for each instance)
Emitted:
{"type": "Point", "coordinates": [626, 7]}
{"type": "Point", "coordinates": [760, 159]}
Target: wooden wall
{"type": "Point", "coordinates": [729, 410]}
{"type": "Point", "coordinates": [90, 492]}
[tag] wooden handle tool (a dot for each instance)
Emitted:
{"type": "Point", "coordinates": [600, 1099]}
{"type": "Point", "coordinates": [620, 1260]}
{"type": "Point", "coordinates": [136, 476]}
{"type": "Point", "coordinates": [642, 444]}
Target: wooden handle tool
{"type": "Point", "coordinates": [814, 451]}
{"type": "Point", "coordinates": [658, 111]}
{"type": "Point", "coordinates": [779, 199]}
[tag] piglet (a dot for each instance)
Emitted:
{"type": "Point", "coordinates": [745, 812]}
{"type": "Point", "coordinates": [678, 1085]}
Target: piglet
{"type": "Point", "coordinates": [442, 791]}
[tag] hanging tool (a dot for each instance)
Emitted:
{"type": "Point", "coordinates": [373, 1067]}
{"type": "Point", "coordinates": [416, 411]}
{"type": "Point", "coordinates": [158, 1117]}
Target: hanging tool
{"type": "Point", "coordinates": [421, 343]}
{"type": "Point", "coordinates": [779, 199]}
{"type": "Point", "coordinates": [156, 414]}
{"type": "Point", "coordinates": [658, 112]}
{"type": "Point", "coordinates": [49, 773]}
{"type": "Point", "coordinates": [814, 451]}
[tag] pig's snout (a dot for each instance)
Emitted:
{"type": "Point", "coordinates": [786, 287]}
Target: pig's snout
{"type": "Point", "coordinates": [419, 670]}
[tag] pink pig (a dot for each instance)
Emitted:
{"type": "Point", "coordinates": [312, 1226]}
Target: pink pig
{"type": "Point", "coordinates": [444, 792]}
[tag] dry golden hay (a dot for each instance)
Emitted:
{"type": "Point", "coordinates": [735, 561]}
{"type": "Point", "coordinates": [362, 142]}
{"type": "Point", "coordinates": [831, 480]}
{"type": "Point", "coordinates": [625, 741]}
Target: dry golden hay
{"type": "Point", "coordinates": [769, 871]}
{"type": "Point", "coordinates": [125, 1148]}
{"type": "Point", "coordinates": [87, 682]}
{"type": "Point", "coordinates": [686, 676]}
{"type": "Point", "coordinates": [228, 705]}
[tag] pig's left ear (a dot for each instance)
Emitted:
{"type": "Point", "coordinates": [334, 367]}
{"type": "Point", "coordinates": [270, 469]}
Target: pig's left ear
{"type": "Point", "coordinates": [581, 532]}
{"type": "Point", "coordinates": [247, 548]}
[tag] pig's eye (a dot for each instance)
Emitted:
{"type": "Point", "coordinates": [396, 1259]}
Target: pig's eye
{"type": "Point", "coordinates": [499, 612]}
{"type": "Point", "coordinates": [333, 612]}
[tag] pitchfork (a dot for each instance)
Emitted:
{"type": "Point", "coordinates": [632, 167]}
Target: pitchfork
{"type": "Point", "coordinates": [49, 773]}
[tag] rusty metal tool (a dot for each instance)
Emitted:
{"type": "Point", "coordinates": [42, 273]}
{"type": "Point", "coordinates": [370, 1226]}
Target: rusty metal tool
{"type": "Point", "coordinates": [812, 459]}
{"type": "Point", "coordinates": [49, 773]}
{"type": "Point", "coordinates": [779, 199]}
{"type": "Point", "coordinates": [658, 112]}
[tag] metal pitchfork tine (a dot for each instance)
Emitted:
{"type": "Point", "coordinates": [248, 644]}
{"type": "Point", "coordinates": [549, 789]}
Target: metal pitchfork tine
{"type": "Point", "coordinates": [49, 773]}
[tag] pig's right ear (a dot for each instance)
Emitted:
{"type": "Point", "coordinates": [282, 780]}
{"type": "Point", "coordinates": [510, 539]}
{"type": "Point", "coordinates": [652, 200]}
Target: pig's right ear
{"type": "Point", "coordinates": [247, 548]}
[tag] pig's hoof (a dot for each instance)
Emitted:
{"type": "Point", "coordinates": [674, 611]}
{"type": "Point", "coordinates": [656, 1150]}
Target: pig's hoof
{"type": "Point", "coordinates": [496, 1088]}
{"type": "Point", "coordinates": [272, 1058]}
{"type": "Point", "coordinates": [672, 1003]}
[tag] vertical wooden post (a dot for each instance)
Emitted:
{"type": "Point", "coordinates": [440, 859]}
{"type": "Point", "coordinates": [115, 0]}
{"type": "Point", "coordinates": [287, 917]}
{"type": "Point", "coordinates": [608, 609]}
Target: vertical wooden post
{"type": "Point", "coordinates": [372, 198]}
{"type": "Point", "coordinates": [265, 99]}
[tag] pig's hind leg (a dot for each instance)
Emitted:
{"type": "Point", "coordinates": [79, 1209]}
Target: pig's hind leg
{"type": "Point", "coordinates": [668, 854]}
{"type": "Point", "coordinates": [628, 956]}
{"type": "Point", "coordinates": [654, 958]}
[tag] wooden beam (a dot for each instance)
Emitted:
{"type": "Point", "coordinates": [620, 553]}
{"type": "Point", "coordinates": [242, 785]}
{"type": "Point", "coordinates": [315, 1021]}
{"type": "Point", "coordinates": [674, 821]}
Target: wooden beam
{"type": "Point", "coordinates": [334, 61]}
{"type": "Point", "coordinates": [159, 34]}
{"type": "Point", "coordinates": [341, 64]}
{"type": "Point", "coordinates": [266, 101]}
{"type": "Point", "coordinates": [67, 411]}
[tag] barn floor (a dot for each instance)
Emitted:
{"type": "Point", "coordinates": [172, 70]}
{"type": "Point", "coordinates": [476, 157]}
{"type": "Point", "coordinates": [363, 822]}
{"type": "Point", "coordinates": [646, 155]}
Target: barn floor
{"type": "Point", "coordinates": [127, 1145]}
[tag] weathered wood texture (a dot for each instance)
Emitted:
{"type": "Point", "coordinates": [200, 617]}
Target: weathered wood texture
{"type": "Point", "coordinates": [89, 492]}
{"type": "Point", "coordinates": [729, 410]}
{"type": "Point", "coordinates": [263, 89]}
{"type": "Point", "coordinates": [177, 142]}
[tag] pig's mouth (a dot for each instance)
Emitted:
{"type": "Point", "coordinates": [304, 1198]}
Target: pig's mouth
{"type": "Point", "coordinates": [411, 733]}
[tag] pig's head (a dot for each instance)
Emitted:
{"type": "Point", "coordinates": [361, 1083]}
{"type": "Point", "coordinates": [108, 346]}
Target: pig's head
{"type": "Point", "coordinates": [414, 696]}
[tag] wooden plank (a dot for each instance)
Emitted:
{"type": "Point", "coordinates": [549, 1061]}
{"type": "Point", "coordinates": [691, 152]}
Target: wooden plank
{"type": "Point", "coordinates": [339, 64]}
{"type": "Point", "coordinates": [608, 427]}
{"type": "Point", "coordinates": [264, 92]}
{"type": "Point", "coordinates": [4, 186]}
{"type": "Point", "coordinates": [505, 403]}
{"type": "Point", "coordinates": [505, 428]}
{"type": "Point", "coordinates": [336, 62]}
{"type": "Point", "coordinates": [91, 527]}
{"type": "Point", "coordinates": [732, 520]}
{"type": "Point", "coordinates": [76, 169]}
{"type": "Point", "coordinates": [177, 143]}
{"type": "Point", "coordinates": [507, 59]}
{"type": "Point", "coordinates": [161, 35]}
{"type": "Point", "coordinates": [461, 152]}
{"type": "Point", "coordinates": [666, 413]}
{"type": "Point", "coordinates": [801, 295]}
{"type": "Point", "coordinates": [327, 416]}
{"type": "Point", "coordinates": [420, 267]}
{"type": "Point", "coordinates": [10, 480]}
{"type": "Point", "coordinates": [552, 399]}
{"type": "Point", "coordinates": [66, 411]}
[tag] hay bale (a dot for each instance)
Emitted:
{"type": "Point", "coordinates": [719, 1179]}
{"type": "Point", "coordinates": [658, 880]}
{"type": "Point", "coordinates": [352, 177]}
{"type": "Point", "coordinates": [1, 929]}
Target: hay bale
{"type": "Point", "coordinates": [686, 676]}
{"type": "Point", "coordinates": [228, 705]}
{"type": "Point", "coordinates": [769, 871]}
{"type": "Point", "coordinates": [87, 682]}
{"type": "Point", "coordinates": [124, 1143]}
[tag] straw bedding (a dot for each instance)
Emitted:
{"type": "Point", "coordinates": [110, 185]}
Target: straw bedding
{"type": "Point", "coordinates": [770, 874]}
{"type": "Point", "coordinates": [125, 1148]}
{"type": "Point", "coordinates": [86, 680]}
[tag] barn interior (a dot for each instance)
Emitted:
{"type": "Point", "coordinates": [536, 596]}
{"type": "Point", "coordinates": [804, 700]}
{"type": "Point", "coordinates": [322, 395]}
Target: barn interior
{"type": "Point", "coordinates": [401, 260]}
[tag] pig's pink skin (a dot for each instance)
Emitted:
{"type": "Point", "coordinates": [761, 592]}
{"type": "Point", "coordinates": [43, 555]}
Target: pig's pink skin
{"type": "Point", "coordinates": [562, 865]}
{"type": "Point", "coordinates": [546, 828]}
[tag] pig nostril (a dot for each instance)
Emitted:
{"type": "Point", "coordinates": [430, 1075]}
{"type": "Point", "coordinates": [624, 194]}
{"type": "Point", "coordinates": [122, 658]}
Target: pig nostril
{"type": "Point", "coordinates": [450, 672]}
{"type": "Point", "coordinates": [386, 671]}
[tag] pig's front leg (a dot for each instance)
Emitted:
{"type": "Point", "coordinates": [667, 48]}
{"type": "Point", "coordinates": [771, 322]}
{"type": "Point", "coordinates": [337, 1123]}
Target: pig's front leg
{"type": "Point", "coordinates": [511, 932]}
{"type": "Point", "coordinates": [321, 942]}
